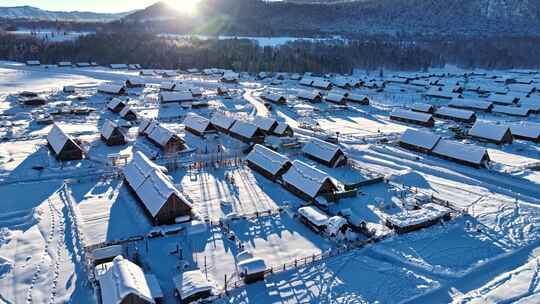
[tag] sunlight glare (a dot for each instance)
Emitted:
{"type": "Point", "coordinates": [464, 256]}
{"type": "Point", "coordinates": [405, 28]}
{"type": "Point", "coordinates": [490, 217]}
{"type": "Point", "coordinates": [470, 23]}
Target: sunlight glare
{"type": "Point", "coordinates": [184, 6]}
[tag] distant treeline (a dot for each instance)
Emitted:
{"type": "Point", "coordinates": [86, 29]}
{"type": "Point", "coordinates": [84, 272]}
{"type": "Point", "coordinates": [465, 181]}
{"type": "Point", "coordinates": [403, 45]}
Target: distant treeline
{"type": "Point", "coordinates": [373, 52]}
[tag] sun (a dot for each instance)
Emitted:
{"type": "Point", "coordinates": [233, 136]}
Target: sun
{"type": "Point", "coordinates": [184, 6]}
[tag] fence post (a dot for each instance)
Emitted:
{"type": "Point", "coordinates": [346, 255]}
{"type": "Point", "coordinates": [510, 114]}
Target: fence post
{"type": "Point", "coordinates": [226, 284]}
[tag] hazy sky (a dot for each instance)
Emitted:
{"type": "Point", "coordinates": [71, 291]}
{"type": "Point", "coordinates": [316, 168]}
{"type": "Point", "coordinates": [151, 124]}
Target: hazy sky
{"type": "Point", "coordinates": [106, 6]}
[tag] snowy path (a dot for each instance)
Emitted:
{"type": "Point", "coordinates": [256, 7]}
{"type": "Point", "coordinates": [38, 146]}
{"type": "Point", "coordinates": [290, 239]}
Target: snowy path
{"type": "Point", "coordinates": [260, 109]}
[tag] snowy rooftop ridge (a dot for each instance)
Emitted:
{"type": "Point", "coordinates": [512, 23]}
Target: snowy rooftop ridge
{"type": "Point", "coordinates": [320, 149]}
{"type": "Point", "coordinates": [306, 178]}
{"type": "Point", "coordinates": [267, 159]}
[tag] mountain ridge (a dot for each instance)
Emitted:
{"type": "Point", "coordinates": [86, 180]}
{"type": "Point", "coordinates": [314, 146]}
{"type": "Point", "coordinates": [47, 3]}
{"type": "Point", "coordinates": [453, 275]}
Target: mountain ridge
{"type": "Point", "coordinates": [35, 13]}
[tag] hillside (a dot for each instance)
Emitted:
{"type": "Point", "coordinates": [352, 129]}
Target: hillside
{"type": "Point", "coordinates": [29, 12]}
{"type": "Point", "coordinates": [434, 17]}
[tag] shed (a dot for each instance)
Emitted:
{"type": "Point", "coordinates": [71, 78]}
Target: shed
{"type": "Point", "coordinates": [266, 124]}
{"type": "Point", "coordinates": [135, 83]}
{"type": "Point", "coordinates": [124, 282]}
{"type": "Point", "coordinates": [247, 132]}
{"type": "Point", "coordinates": [198, 125]}
{"type": "Point", "coordinates": [324, 152]}
{"type": "Point", "coordinates": [312, 96]}
{"type": "Point", "coordinates": [252, 269]}
{"type": "Point", "coordinates": [167, 86]}
{"type": "Point", "coordinates": [64, 147]}
{"type": "Point", "coordinates": [335, 97]}
{"type": "Point", "coordinates": [155, 190]}
{"type": "Point", "coordinates": [222, 122]}
{"type": "Point", "coordinates": [128, 113]}
{"type": "Point", "coordinates": [460, 115]}
{"type": "Point", "coordinates": [166, 97]}
{"type": "Point", "coordinates": [274, 98]}
{"type": "Point", "coordinates": [112, 89]}
{"type": "Point", "coordinates": [106, 254]}
{"type": "Point", "coordinates": [357, 98]}
{"type": "Point", "coordinates": [464, 154]}
{"type": "Point", "coordinates": [502, 99]}
{"type": "Point", "coordinates": [471, 104]}
{"type": "Point", "coordinates": [193, 286]}
{"type": "Point", "coordinates": [512, 111]}
{"type": "Point", "coordinates": [314, 218]}
{"type": "Point", "coordinates": [411, 220]}
{"type": "Point", "coordinates": [498, 134]}
{"type": "Point", "coordinates": [422, 107]}
{"type": "Point", "coordinates": [321, 83]}
{"type": "Point", "coordinates": [230, 78]}
{"type": "Point", "coordinates": [267, 162]}
{"type": "Point", "coordinates": [526, 131]}
{"type": "Point", "coordinates": [308, 182]}
{"type": "Point", "coordinates": [164, 138]}
{"type": "Point", "coordinates": [412, 117]}
{"type": "Point", "coordinates": [283, 129]}
{"type": "Point", "coordinates": [419, 140]}
{"type": "Point", "coordinates": [112, 134]}
{"type": "Point", "coordinates": [116, 105]}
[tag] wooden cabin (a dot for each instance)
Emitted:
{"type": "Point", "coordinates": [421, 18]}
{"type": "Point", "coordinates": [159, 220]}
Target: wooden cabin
{"type": "Point", "coordinates": [308, 182]}
{"type": "Point", "coordinates": [222, 122]}
{"type": "Point", "coordinates": [412, 117]}
{"type": "Point", "coordinates": [247, 132]}
{"type": "Point", "coordinates": [155, 191]}
{"type": "Point", "coordinates": [494, 133]}
{"type": "Point", "coordinates": [64, 147]}
{"type": "Point", "coordinates": [164, 138]}
{"type": "Point", "coordinates": [267, 162]}
{"type": "Point", "coordinates": [198, 125]}
{"type": "Point", "coordinates": [420, 141]}
{"type": "Point", "coordinates": [128, 113]}
{"type": "Point", "coordinates": [324, 152]}
{"type": "Point", "coordinates": [469, 155]}
{"type": "Point", "coordinates": [112, 89]}
{"type": "Point", "coordinates": [116, 105]}
{"type": "Point", "coordinates": [112, 134]}
{"type": "Point", "coordinates": [454, 114]}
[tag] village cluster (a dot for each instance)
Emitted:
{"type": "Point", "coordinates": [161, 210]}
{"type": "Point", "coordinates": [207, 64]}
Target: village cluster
{"type": "Point", "coordinates": [190, 185]}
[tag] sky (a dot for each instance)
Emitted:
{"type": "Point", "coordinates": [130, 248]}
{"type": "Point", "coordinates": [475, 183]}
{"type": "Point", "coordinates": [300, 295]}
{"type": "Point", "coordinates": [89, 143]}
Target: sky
{"type": "Point", "coordinates": [102, 6]}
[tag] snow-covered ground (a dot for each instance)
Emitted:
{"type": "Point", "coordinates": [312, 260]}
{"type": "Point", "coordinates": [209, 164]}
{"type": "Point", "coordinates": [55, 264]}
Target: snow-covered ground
{"type": "Point", "coordinates": [53, 211]}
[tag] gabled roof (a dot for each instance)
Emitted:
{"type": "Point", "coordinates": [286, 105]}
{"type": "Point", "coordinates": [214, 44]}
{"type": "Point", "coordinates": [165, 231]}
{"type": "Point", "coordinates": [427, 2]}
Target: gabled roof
{"type": "Point", "coordinates": [514, 111]}
{"type": "Point", "coordinates": [152, 186]}
{"type": "Point", "coordinates": [321, 149]}
{"type": "Point", "coordinates": [121, 278]}
{"type": "Point", "coordinates": [108, 128]}
{"type": "Point", "coordinates": [110, 88]}
{"type": "Point", "coordinates": [421, 139]}
{"type": "Point", "coordinates": [191, 282]}
{"type": "Point", "coordinates": [411, 115]}
{"type": "Point", "coordinates": [115, 102]}
{"type": "Point", "coordinates": [306, 178]}
{"type": "Point", "coordinates": [309, 95]}
{"type": "Point", "coordinates": [196, 122]}
{"type": "Point", "coordinates": [264, 123]}
{"type": "Point", "coordinates": [167, 85]}
{"type": "Point", "coordinates": [176, 96]}
{"type": "Point", "coordinates": [281, 127]}
{"type": "Point", "coordinates": [159, 133]}
{"type": "Point", "coordinates": [335, 97]}
{"type": "Point", "coordinates": [125, 111]}
{"type": "Point", "coordinates": [222, 120]}
{"type": "Point", "coordinates": [267, 159]}
{"type": "Point", "coordinates": [502, 99]}
{"type": "Point", "coordinates": [314, 215]}
{"type": "Point", "coordinates": [57, 138]}
{"type": "Point", "coordinates": [532, 103]}
{"type": "Point", "coordinates": [488, 130]}
{"type": "Point", "coordinates": [357, 97]}
{"type": "Point", "coordinates": [470, 104]}
{"type": "Point", "coordinates": [469, 153]}
{"type": "Point", "coordinates": [455, 113]}
{"type": "Point", "coordinates": [526, 129]}
{"type": "Point", "coordinates": [244, 129]}
{"type": "Point", "coordinates": [421, 107]}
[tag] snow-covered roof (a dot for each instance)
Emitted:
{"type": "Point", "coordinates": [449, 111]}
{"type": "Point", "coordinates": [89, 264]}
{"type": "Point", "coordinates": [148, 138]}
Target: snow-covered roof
{"type": "Point", "coordinates": [321, 149]}
{"type": "Point", "coordinates": [264, 123]}
{"type": "Point", "coordinates": [64, 63]}
{"type": "Point", "coordinates": [108, 252]}
{"type": "Point", "coordinates": [502, 99]}
{"type": "Point", "coordinates": [272, 96]}
{"type": "Point", "coordinates": [136, 81]}
{"type": "Point", "coordinates": [281, 127]}
{"type": "Point", "coordinates": [33, 62]}
{"type": "Point", "coordinates": [314, 215]}
{"type": "Point", "coordinates": [222, 120]}
{"type": "Point", "coordinates": [455, 113]}
{"type": "Point", "coordinates": [522, 88]}
{"type": "Point", "coordinates": [309, 95]}
{"type": "Point", "coordinates": [356, 97]}
{"type": "Point", "coordinates": [147, 73]}
{"type": "Point", "coordinates": [108, 128]}
{"type": "Point", "coordinates": [231, 76]}
{"type": "Point", "coordinates": [420, 139]}
{"type": "Point", "coordinates": [514, 111]}
{"type": "Point", "coordinates": [421, 107]}
{"type": "Point", "coordinates": [526, 129]}
{"type": "Point", "coordinates": [306, 81]}
{"type": "Point", "coordinates": [321, 83]}
{"type": "Point", "coordinates": [470, 104]}
{"type": "Point", "coordinates": [244, 129]}
{"type": "Point", "coordinates": [428, 212]}
{"type": "Point", "coordinates": [126, 110]}
{"type": "Point", "coordinates": [456, 150]}
{"type": "Point", "coordinates": [110, 88]}
{"type": "Point", "coordinates": [532, 103]}
{"type": "Point", "coordinates": [57, 138]}
{"type": "Point", "coordinates": [437, 92]}
{"type": "Point", "coordinates": [267, 159]}
{"type": "Point", "coordinates": [143, 125]}
{"type": "Point", "coordinates": [152, 186]}
{"type": "Point", "coordinates": [192, 282]}
{"type": "Point", "coordinates": [121, 278]}
{"type": "Point", "coordinates": [118, 66]}
{"type": "Point", "coordinates": [196, 122]}
{"type": "Point", "coordinates": [306, 178]}
{"type": "Point", "coordinates": [488, 130]}
{"type": "Point", "coordinates": [159, 133]}
{"type": "Point", "coordinates": [115, 102]}
{"type": "Point", "coordinates": [411, 115]}
{"type": "Point", "coordinates": [176, 96]}
{"type": "Point", "coordinates": [252, 266]}
{"type": "Point", "coordinates": [335, 97]}
{"type": "Point", "coordinates": [167, 85]}
{"type": "Point", "coordinates": [335, 223]}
